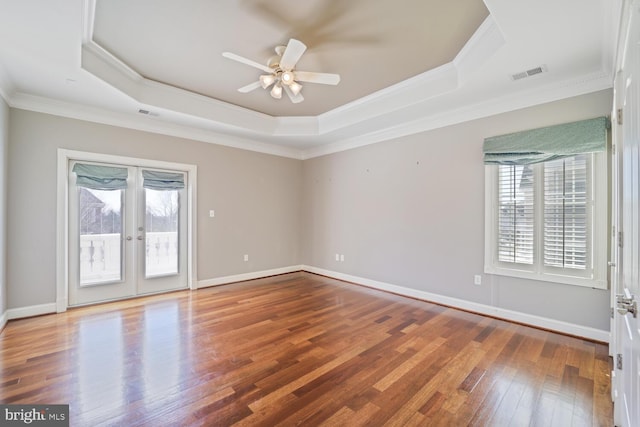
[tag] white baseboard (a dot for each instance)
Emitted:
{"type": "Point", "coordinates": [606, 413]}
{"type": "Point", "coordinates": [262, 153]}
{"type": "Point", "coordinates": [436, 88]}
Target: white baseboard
{"type": "Point", "coordinates": [247, 276]}
{"type": "Point", "coordinates": [61, 305]}
{"type": "Point", "coordinates": [515, 316]}
{"type": "Point", "coordinates": [30, 311]}
{"type": "Point", "coordinates": [3, 320]}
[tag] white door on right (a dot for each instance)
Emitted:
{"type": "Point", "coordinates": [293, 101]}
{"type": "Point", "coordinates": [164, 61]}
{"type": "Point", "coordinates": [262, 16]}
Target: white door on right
{"type": "Point", "coordinates": [626, 286]}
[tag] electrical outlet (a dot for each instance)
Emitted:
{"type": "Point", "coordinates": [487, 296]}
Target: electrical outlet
{"type": "Point", "coordinates": [212, 213]}
{"type": "Point", "coordinates": [337, 257]}
{"type": "Point", "coordinates": [246, 257]}
{"type": "Point", "coordinates": [477, 279]}
{"type": "Point", "coordinates": [342, 258]}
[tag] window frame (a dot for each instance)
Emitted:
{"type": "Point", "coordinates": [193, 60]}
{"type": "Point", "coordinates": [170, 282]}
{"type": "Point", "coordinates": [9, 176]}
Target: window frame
{"type": "Point", "coordinates": [595, 275]}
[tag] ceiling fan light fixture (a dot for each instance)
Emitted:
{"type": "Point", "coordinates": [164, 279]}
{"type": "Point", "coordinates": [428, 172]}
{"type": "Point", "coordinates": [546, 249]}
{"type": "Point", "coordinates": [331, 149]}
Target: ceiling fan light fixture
{"type": "Point", "coordinates": [267, 80]}
{"type": "Point", "coordinates": [295, 88]}
{"type": "Point", "coordinates": [281, 74]}
{"type": "Point", "coordinates": [276, 92]}
{"type": "Point", "coordinates": [287, 77]}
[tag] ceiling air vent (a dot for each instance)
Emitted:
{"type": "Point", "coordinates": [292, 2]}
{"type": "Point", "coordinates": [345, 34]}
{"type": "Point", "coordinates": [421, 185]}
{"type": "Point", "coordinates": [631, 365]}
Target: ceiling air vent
{"type": "Point", "coordinates": [528, 73]}
{"type": "Point", "coordinates": [147, 112]}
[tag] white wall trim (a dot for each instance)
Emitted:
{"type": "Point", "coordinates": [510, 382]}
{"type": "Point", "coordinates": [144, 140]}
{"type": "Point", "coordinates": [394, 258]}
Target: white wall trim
{"type": "Point", "coordinates": [528, 319]}
{"type": "Point", "coordinates": [398, 103]}
{"type": "Point", "coordinates": [30, 311]}
{"type": "Point", "coordinates": [255, 143]}
{"type": "Point", "coordinates": [247, 276]}
{"type": "Point", "coordinates": [515, 316]}
{"type": "Point", "coordinates": [490, 107]}
{"type": "Point", "coordinates": [3, 320]}
{"type": "Point", "coordinates": [6, 86]}
{"type": "Point", "coordinates": [102, 64]}
{"type": "Point", "coordinates": [146, 124]}
{"type": "Point", "coordinates": [514, 101]}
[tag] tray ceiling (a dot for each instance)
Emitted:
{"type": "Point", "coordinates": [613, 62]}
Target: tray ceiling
{"type": "Point", "coordinates": [406, 66]}
{"type": "Point", "coordinates": [372, 44]}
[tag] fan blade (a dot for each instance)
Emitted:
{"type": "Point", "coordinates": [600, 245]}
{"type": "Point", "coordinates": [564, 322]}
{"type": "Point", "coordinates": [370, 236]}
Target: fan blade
{"type": "Point", "coordinates": [250, 87]}
{"type": "Point", "coordinates": [246, 61]}
{"type": "Point", "coordinates": [294, 98]}
{"type": "Point", "coordinates": [322, 78]}
{"type": "Point", "coordinates": [291, 56]}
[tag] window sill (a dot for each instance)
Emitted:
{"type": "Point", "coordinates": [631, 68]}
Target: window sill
{"type": "Point", "coordinates": [585, 282]}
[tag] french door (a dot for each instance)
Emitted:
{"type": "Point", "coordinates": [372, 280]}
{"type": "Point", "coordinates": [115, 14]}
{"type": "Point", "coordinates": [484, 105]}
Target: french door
{"type": "Point", "coordinates": [625, 285]}
{"type": "Point", "coordinates": [127, 231]}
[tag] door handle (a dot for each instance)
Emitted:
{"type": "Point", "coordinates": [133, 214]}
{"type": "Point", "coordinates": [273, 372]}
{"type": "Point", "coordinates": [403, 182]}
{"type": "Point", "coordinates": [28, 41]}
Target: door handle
{"type": "Point", "coordinates": [129, 238]}
{"type": "Point", "coordinates": [140, 238]}
{"type": "Point", "coordinates": [626, 304]}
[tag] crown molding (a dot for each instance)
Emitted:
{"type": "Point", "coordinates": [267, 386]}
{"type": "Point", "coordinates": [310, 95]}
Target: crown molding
{"type": "Point", "coordinates": [146, 124]}
{"type": "Point", "coordinates": [513, 101]}
{"type": "Point", "coordinates": [6, 85]}
{"type": "Point", "coordinates": [117, 74]}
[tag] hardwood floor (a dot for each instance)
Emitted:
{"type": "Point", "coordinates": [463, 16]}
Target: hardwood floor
{"type": "Point", "coordinates": [300, 349]}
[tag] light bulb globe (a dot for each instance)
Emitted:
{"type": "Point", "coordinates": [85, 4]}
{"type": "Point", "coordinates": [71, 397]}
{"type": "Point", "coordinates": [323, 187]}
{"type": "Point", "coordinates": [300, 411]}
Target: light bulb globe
{"type": "Point", "coordinates": [276, 91]}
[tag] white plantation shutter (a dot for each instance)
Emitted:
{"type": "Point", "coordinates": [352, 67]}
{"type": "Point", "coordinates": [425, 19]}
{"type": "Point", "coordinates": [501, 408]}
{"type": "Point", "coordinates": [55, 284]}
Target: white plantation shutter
{"type": "Point", "coordinates": [565, 210]}
{"type": "Point", "coordinates": [516, 214]}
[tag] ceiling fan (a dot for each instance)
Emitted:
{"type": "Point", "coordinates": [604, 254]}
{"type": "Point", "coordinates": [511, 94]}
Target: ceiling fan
{"type": "Point", "coordinates": [281, 72]}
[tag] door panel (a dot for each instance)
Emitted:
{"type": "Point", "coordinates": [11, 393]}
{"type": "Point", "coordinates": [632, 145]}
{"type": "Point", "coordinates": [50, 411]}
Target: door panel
{"type": "Point", "coordinates": [99, 252]}
{"type": "Point", "coordinates": [163, 233]}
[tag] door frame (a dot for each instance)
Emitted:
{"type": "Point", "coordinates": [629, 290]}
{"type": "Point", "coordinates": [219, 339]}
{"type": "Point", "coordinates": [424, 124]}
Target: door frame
{"type": "Point", "coordinates": [62, 221]}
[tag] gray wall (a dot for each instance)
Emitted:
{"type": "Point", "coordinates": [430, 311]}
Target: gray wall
{"type": "Point", "coordinates": [407, 212]}
{"type": "Point", "coordinates": [256, 198]}
{"type": "Point", "coordinates": [410, 212]}
{"type": "Point", "coordinates": [4, 144]}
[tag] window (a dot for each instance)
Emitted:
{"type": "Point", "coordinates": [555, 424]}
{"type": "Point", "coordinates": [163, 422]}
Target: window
{"type": "Point", "coordinates": [546, 214]}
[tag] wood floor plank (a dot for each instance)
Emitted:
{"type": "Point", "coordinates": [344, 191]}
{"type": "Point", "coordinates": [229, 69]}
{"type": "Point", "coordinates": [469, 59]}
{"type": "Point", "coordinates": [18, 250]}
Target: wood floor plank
{"type": "Point", "coordinates": [300, 349]}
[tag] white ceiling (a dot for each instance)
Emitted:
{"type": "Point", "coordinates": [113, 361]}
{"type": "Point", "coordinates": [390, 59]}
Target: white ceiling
{"type": "Point", "coordinates": [406, 65]}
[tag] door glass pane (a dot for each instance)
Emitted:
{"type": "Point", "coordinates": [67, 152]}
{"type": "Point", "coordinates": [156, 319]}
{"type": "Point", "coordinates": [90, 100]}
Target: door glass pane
{"type": "Point", "coordinates": [100, 236]}
{"type": "Point", "coordinates": [161, 223]}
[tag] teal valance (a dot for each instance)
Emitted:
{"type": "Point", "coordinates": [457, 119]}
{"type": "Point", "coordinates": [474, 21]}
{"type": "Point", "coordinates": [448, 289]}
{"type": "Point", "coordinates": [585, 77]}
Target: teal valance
{"type": "Point", "coordinates": [156, 180]}
{"type": "Point", "coordinates": [548, 143]}
{"type": "Point", "coordinates": [98, 177]}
